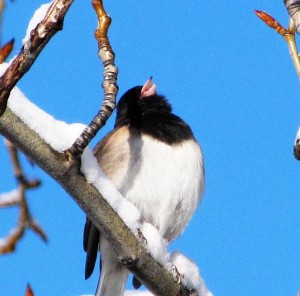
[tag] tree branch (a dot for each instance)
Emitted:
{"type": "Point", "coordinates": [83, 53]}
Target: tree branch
{"type": "Point", "coordinates": [287, 34]}
{"type": "Point", "coordinates": [18, 198]}
{"type": "Point", "coordinates": [110, 73]}
{"type": "Point", "coordinates": [128, 248]}
{"type": "Point", "coordinates": [39, 37]}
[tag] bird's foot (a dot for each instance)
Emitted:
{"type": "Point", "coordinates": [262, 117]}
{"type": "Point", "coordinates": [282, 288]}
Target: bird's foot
{"type": "Point", "coordinates": [177, 276]}
{"type": "Point", "coordinates": [141, 237]}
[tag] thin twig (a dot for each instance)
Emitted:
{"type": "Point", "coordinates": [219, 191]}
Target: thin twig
{"type": "Point", "coordinates": [29, 291]}
{"type": "Point", "coordinates": [287, 34]}
{"type": "Point", "coordinates": [39, 37]}
{"type": "Point", "coordinates": [291, 41]}
{"type": "Point", "coordinates": [109, 84]}
{"type": "Point", "coordinates": [25, 219]}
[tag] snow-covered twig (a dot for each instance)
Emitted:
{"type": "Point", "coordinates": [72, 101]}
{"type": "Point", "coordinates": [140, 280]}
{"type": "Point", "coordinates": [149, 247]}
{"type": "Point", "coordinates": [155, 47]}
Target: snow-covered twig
{"type": "Point", "coordinates": [39, 37]}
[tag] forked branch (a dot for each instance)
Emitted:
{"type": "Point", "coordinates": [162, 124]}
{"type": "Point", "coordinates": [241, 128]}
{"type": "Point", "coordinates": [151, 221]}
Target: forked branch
{"type": "Point", "coordinates": [287, 34]}
{"type": "Point", "coordinates": [18, 198]}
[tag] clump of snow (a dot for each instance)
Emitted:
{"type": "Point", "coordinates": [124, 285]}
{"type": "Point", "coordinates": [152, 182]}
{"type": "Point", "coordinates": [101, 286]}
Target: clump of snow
{"type": "Point", "coordinates": [58, 134]}
{"type": "Point", "coordinates": [38, 16]}
{"type": "Point", "coordinates": [190, 274]}
{"type": "Point", "coordinates": [156, 245]}
{"type": "Point", "coordinates": [11, 196]}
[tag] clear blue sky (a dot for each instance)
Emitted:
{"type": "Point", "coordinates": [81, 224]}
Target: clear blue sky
{"type": "Point", "coordinates": [230, 77]}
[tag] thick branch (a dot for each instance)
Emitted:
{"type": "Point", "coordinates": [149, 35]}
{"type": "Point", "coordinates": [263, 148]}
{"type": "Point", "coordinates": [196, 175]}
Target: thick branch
{"type": "Point", "coordinates": [39, 37]}
{"type": "Point", "coordinates": [129, 250]}
{"type": "Point", "coordinates": [293, 8]}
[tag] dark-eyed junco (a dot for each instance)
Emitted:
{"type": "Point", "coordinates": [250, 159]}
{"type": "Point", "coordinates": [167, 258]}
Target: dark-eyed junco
{"type": "Point", "coordinates": [154, 160]}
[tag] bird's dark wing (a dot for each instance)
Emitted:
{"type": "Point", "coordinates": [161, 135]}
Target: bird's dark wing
{"type": "Point", "coordinates": [91, 236]}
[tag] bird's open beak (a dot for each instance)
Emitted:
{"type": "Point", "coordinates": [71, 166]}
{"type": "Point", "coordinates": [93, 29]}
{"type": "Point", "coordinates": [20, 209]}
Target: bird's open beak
{"type": "Point", "coordinates": [148, 89]}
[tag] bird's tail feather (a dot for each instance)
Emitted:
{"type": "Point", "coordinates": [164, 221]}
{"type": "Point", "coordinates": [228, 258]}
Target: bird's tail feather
{"type": "Point", "coordinates": [112, 281]}
{"type": "Point", "coordinates": [113, 275]}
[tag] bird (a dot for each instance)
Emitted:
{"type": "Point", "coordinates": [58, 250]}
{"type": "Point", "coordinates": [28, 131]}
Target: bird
{"type": "Point", "coordinates": [154, 160]}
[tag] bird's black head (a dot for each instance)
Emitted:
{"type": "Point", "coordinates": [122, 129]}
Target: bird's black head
{"type": "Point", "coordinates": [139, 103]}
{"type": "Point", "coordinates": [141, 109]}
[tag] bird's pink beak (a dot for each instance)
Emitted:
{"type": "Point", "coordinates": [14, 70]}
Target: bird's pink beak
{"type": "Point", "coordinates": [148, 89]}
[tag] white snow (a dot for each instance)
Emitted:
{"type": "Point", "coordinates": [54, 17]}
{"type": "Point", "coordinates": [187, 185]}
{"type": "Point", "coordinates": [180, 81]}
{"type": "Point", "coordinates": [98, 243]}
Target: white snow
{"type": "Point", "coordinates": [156, 245]}
{"type": "Point", "coordinates": [58, 134]}
{"type": "Point", "coordinates": [190, 274]}
{"type": "Point", "coordinates": [11, 196]}
{"type": "Point", "coordinates": [38, 16]}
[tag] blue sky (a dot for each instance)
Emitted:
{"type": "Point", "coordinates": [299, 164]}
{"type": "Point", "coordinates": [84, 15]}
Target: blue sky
{"type": "Point", "coordinates": [230, 77]}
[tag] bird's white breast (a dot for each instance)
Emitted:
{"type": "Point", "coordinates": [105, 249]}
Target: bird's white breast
{"type": "Point", "coordinates": [164, 182]}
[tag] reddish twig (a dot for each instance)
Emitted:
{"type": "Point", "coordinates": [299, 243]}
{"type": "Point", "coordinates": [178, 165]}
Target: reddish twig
{"type": "Point", "coordinates": [271, 22]}
{"type": "Point", "coordinates": [5, 50]}
{"type": "Point", "coordinates": [39, 37]}
{"type": "Point", "coordinates": [29, 291]}
{"type": "Point", "coordinates": [287, 34]}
